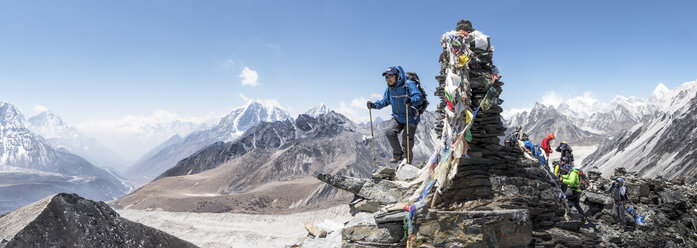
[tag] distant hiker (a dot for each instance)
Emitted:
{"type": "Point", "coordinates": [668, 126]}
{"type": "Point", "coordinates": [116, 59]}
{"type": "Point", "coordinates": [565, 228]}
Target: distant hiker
{"type": "Point", "coordinates": [401, 94]}
{"type": "Point", "coordinates": [619, 195]}
{"type": "Point", "coordinates": [573, 194]}
{"type": "Point", "coordinates": [519, 134]}
{"type": "Point", "coordinates": [545, 144]}
{"type": "Point", "coordinates": [559, 167]}
{"type": "Point", "coordinates": [566, 151]}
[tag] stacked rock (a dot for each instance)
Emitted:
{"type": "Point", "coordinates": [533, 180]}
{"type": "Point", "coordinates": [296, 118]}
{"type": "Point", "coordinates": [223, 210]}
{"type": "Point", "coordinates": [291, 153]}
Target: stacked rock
{"type": "Point", "coordinates": [491, 177]}
{"type": "Point", "coordinates": [470, 83]}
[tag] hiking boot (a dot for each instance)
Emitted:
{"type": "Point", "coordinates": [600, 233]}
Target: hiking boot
{"type": "Point", "coordinates": [395, 160]}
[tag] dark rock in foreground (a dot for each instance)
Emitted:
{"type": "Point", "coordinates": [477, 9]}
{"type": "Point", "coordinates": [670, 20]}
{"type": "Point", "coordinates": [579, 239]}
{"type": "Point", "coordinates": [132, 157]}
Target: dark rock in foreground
{"type": "Point", "coordinates": [68, 220]}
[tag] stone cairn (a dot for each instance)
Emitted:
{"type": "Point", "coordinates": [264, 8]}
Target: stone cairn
{"type": "Point", "coordinates": [473, 192]}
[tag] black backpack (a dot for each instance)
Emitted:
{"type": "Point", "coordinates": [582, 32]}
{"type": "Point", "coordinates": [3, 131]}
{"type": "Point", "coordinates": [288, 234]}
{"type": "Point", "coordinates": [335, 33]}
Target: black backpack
{"type": "Point", "coordinates": [566, 151]}
{"type": "Point", "coordinates": [415, 78]}
{"type": "Point", "coordinates": [618, 195]}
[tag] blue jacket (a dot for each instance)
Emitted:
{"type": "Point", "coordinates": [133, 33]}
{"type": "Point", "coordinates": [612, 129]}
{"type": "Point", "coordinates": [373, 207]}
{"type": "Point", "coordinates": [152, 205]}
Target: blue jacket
{"type": "Point", "coordinates": [395, 95]}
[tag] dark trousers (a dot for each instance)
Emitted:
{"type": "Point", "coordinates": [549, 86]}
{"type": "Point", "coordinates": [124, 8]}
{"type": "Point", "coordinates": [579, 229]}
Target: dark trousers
{"type": "Point", "coordinates": [400, 151]}
{"type": "Point", "coordinates": [618, 212]}
{"type": "Point", "coordinates": [575, 198]}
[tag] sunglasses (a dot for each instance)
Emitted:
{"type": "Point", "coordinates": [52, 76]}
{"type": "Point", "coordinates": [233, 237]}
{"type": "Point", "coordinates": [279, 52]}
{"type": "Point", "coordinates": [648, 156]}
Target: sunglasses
{"type": "Point", "coordinates": [389, 75]}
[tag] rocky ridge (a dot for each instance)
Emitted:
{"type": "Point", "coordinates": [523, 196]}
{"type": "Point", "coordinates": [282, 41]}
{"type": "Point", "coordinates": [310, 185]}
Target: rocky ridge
{"type": "Point", "coordinates": [68, 220]}
{"type": "Point", "coordinates": [498, 196]}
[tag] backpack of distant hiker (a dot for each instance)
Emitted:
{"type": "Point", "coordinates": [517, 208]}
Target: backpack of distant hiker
{"type": "Point", "coordinates": [619, 193]}
{"type": "Point", "coordinates": [583, 179]}
{"type": "Point", "coordinates": [566, 151]}
{"type": "Point", "coordinates": [415, 78]}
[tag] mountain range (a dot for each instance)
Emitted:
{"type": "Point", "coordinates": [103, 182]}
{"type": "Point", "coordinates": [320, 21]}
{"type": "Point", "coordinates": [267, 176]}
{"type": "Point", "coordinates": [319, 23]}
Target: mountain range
{"type": "Point", "coordinates": [270, 167]}
{"type": "Point", "coordinates": [31, 169]}
{"type": "Point", "coordinates": [58, 134]}
{"type": "Point", "coordinates": [650, 137]}
{"type": "Point", "coordinates": [176, 148]}
{"type": "Point", "coordinates": [661, 144]}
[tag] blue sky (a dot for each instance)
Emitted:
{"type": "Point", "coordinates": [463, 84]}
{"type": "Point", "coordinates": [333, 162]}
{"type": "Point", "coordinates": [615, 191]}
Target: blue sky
{"type": "Point", "coordinates": [94, 60]}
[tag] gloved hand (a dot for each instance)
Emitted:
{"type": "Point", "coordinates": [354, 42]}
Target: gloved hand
{"type": "Point", "coordinates": [370, 105]}
{"type": "Point", "coordinates": [407, 100]}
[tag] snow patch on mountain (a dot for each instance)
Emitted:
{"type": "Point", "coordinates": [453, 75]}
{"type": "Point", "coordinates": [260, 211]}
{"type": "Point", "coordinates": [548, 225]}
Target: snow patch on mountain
{"type": "Point", "coordinates": [317, 110]}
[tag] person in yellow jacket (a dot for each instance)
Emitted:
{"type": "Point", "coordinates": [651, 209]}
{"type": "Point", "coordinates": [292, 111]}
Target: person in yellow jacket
{"type": "Point", "coordinates": [557, 167]}
{"type": "Point", "coordinates": [573, 193]}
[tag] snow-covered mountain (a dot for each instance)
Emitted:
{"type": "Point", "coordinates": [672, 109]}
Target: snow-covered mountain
{"type": "Point", "coordinates": [663, 143]}
{"type": "Point", "coordinates": [58, 134]}
{"type": "Point", "coordinates": [542, 120]}
{"type": "Point", "coordinates": [599, 118]}
{"type": "Point", "coordinates": [270, 167]}
{"type": "Point", "coordinates": [229, 128]}
{"type": "Point", "coordinates": [30, 169]}
{"type": "Point", "coordinates": [317, 110]}
{"type": "Point", "coordinates": [266, 135]}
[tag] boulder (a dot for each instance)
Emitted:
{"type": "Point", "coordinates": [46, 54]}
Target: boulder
{"type": "Point", "coordinates": [499, 228]}
{"type": "Point", "coordinates": [315, 231]}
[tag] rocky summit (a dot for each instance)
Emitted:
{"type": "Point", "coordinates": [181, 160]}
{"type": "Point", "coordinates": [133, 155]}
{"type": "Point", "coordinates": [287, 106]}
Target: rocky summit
{"type": "Point", "coordinates": [498, 196]}
{"type": "Point", "coordinates": [68, 220]}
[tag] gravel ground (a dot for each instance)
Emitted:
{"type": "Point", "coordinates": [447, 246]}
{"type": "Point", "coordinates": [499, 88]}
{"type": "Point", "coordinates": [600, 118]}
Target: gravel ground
{"type": "Point", "coordinates": [245, 230]}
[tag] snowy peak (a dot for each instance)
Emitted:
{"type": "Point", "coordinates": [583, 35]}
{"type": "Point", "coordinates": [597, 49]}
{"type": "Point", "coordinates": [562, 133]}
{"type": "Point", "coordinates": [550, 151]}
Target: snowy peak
{"type": "Point", "coordinates": [59, 134]}
{"type": "Point", "coordinates": [582, 107]}
{"type": "Point", "coordinates": [324, 125]}
{"type": "Point", "coordinates": [47, 118]}
{"type": "Point", "coordinates": [659, 94]}
{"type": "Point", "coordinates": [50, 125]}
{"type": "Point", "coordinates": [250, 115]}
{"type": "Point", "coordinates": [10, 116]}
{"type": "Point", "coordinates": [317, 110]}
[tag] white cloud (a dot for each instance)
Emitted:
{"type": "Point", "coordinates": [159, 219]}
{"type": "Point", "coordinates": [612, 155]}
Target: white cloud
{"type": "Point", "coordinates": [133, 135]}
{"type": "Point", "coordinates": [249, 77]}
{"type": "Point", "coordinates": [39, 108]}
{"type": "Point", "coordinates": [376, 96]}
{"type": "Point", "coordinates": [551, 98]}
{"type": "Point", "coordinates": [510, 112]}
{"type": "Point", "coordinates": [588, 98]}
{"type": "Point", "coordinates": [228, 64]}
{"type": "Point", "coordinates": [357, 111]}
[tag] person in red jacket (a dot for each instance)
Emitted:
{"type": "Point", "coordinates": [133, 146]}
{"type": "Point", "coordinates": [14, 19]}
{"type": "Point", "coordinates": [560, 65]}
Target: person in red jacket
{"type": "Point", "coordinates": [545, 144]}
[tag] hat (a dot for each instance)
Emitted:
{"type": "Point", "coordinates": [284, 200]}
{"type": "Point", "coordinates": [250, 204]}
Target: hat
{"type": "Point", "coordinates": [390, 70]}
{"type": "Point", "coordinates": [619, 180]}
{"type": "Point", "coordinates": [565, 159]}
{"type": "Point", "coordinates": [465, 25]}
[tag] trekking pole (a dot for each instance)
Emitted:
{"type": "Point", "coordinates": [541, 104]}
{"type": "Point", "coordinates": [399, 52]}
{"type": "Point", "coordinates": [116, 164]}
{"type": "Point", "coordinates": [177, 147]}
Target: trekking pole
{"type": "Point", "coordinates": [407, 105]}
{"type": "Point", "coordinates": [372, 136]}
